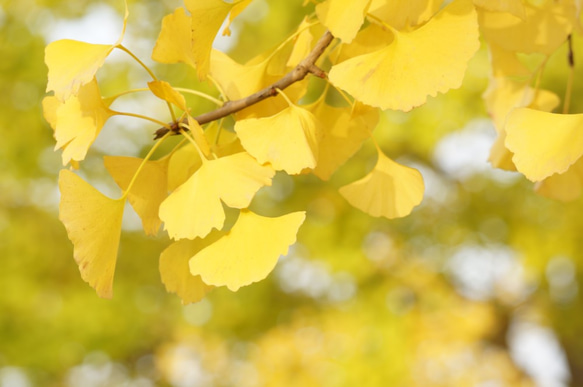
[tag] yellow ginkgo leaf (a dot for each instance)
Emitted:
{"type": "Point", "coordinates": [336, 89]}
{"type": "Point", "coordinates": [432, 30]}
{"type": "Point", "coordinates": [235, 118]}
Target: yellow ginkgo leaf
{"type": "Point", "coordinates": [73, 64]}
{"type": "Point", "coordinates": [544, 28]}
{"type": "Point", "coordinates": [93, 223]}
{"type": "Point", "coordinates": [343, 134]}
{"type": "Point", "coordinates": [500, 156]}
{"type": "Point", "coordinates": [543, 143]}
{"type": "Point", "coordinates": [343, 17]}
{"type": "Point", "coordinates": [195, 208]}
{"type": "Point", "coordinates": [245, 255]}
{"type": "Point", "coordinates": [513, 7]}
{"type": "Point", "coordinates": [175, 272]}
{"type": "Point", "coordinates": [391, 190]}
{"type": "Point", "coordinates": [149, 189]}
{"type": "Point", "coordinates": [207, 16]}
{"type": "Point", "coordinates": [302, 44]}
{"type": "Point", "coordinates": [371, 38]}
{"type": "Point", "coordinates": [163, 90]}
{"type": "Point", "coordinates": [428, 60]}
{"type": "Point", "coordinates": [287, 140]}
{"type": "Point", "coordinates": [77, 121]}
{"type": "Point", "coordinates": [198, 136]}
{"type": "Point", "coordinates": [404, 14]}
{"type": "Point", "coordinates": [174, 44]}
{"type": "Point", "coordinates": [235, 11]}
{"type": "Point", "coordinates": [566, 186]}
{"type": "Point", "coordinates": [182, 164]}
{"type": "Point", "coordinates": [503, 95]}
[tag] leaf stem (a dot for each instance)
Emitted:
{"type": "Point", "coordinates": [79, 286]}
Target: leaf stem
{"type": "Point", "coordinates": [200, 94]}
{"type": "Point", "coordinates": [148, 156]}
{"type": "Point", "coordinates": [192, 141]}
{"type": "Point", "coordinates": [166, 126]}
{"type": "Point", "coordinates": [123, 48]}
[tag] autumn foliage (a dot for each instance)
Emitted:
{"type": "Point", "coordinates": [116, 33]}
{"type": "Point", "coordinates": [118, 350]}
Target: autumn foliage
{"type": "Point", "coordinates": [357, 58]}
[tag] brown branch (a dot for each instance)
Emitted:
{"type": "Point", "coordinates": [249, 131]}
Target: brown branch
{"type": "Point", "coordinates": [305, 67]}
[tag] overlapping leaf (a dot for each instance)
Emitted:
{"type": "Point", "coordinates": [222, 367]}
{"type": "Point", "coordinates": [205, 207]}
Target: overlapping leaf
{"type": "Point", "coordinates": [174, 44]}
{"type": "Point", "coordinates": [343, 132]}
{"type": "Point", "coordinates": [343, 17]}
{"type": "Point", "coordinates": [73, 64]}
{"type": "Point", "coordinates": [544, 28]}
{"type": "Point", "coordinates": [390, 190]}
{"type": "Point", "coordinates": [404, 14]}
{"type": "Point", "coordinates": [77, 121]}
{"type": "Point", "coordinates": [513, 7]}
{"type": "Point", "coordinates": [175, 271]}
{"type": "Point", "coordinates": [149, 189]}
{"type": "Point", "coordinates": [423, 62]}
{"type": "Point", "coordinates": [245, 255]}
{"type": "Point", "coordinates": [207, 16]}
{"type": "Point", "coordinates": [93, 223]}
{"type": "Point", "coordinates": [287, 140]}
{"type": "Point", "coordinates": [239, 81]}
{"type": "Point", "coordinates": [165, 91]}
{"type": "Point", "coordinates": [566, 186]}
{"type": "Point", "coordinates": [543, 143]}
{"type": "Point", "coordinates": [195, 208]}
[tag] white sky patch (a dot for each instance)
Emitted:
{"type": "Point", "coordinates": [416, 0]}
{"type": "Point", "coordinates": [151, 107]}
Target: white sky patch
{"type": "Point", "coordinates": [465, 153]}
{"type": "Point", "coordinates": [101, 24]}
{"type": "Point", "coordinates": [483, 272]}
{"type": "Point", "coordinates": [537, 350]}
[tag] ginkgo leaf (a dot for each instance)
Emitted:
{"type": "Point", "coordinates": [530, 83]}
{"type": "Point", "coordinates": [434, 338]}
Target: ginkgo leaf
{"type": "Point", "coordinates": [544, 28]}
{"type": "Point", "coordinates": [73, 64]}
{"type": "Point", "coordinates": [77, 121]}
{"type": "Point", "coordinates": [182, 164]}
{"type": "Point", "coordinates": [566, 186]}
{"type": "Point", "coordinates": [195, 208]}
{"type": "Point", "coordinates": [207, 16]}
{"type": "Point", "coordinates": [343, 17]}
{"type": "Point", "coordinates": [149, 189]}
{"type": "Point", "coordinates": [503, 95]}
{"type": "Point", "coordinates": [93, 223]}
{"type": "Point", "coordinates": [174, 44]}
{"type": "Point", "coordinates": [198, 136]}
{"type": "Point", "coordinates": [543, 143]}
{"type": "Point", "coordinates": [513, 7]}
{"type": "Point", "coordinates": [235, 11]}
{"type": "Point", "coordinates": [391, 190]}
{"type": "Point", "coordinates": [287, 140]}
{"type": "Point", "coordinates": [500, 156]}
{"type": "Point", "coordinates": [343, 132]}
{"type": "Point", "coordinates": [175, 271]}
{"type": "Point", "coordinates": [165, 91]}
{"type": "Point", "coordinates": [245, 255]}
{"type": "Point", "coordinates": [403, 14]}
{"type": "Point", "coordinates": [423, 62]}
{"type": "Point", "coordinates": [302, 44]}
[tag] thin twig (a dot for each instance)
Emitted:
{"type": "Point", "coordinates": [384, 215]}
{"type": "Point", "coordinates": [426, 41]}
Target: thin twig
{"type": "Point", "coordinates": [305, 67]}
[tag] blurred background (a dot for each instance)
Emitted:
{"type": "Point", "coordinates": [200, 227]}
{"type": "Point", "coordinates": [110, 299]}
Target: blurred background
{"type": "Point", "coordinates": [479, 286]}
